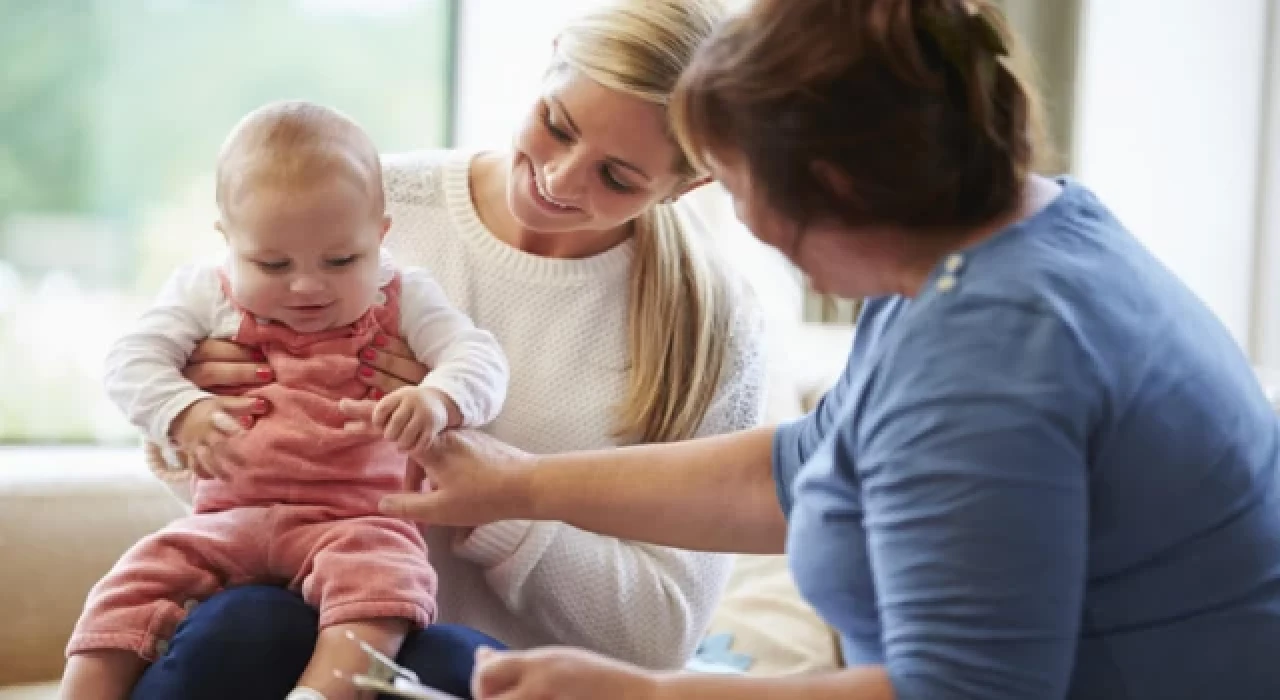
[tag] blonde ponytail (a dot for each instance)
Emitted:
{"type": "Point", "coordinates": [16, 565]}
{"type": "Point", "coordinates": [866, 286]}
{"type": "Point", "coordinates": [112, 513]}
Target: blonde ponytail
{"type": "Point", "coordinates": [677, 331]}
{"type": "Point", "coordinates": [679, 317]}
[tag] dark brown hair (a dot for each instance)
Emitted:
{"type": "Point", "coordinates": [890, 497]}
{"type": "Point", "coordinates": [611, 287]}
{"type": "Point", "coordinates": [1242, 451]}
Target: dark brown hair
{"type": "Point", "coordinates": [912, 107]}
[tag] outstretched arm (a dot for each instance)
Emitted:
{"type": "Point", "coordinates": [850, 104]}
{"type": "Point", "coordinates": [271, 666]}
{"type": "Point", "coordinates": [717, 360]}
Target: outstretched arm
{"type": "Point", "coordinates": [567, 581]}
{"type": "Point", "coordinates": [713, 493]}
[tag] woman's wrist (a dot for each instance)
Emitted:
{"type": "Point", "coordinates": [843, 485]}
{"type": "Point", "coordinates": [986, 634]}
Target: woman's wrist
{"type": "Point", "coordinates": [524, 486]}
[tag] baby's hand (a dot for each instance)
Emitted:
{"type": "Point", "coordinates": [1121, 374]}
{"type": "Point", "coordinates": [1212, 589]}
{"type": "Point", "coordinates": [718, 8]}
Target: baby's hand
{"type": "Point", "coordinates": [412, 417]}
{"type": "Point", "coordinates": [203, 431]}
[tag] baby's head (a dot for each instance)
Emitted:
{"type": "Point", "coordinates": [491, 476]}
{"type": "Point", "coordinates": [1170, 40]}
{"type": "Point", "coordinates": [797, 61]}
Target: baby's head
{"type": "Point", "coordinates": [300, 203]}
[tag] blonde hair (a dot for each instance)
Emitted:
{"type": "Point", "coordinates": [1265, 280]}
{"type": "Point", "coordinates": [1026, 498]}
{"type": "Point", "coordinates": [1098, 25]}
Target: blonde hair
{"type": "Point", "coordinates": [679, 316]}
{"type": "Point", "coordinates": [295, 143]}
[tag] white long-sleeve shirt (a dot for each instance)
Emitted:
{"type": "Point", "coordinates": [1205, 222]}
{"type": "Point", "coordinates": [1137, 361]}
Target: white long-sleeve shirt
{"type": "Point", "coordinates": [563, 325]}
{"type": "Point", "coordinates": [144, 367]}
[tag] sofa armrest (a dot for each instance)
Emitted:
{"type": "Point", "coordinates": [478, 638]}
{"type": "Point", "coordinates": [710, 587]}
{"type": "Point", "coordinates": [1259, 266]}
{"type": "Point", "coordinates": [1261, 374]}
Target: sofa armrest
{"type": "Point", "coordinates": [66, 515]}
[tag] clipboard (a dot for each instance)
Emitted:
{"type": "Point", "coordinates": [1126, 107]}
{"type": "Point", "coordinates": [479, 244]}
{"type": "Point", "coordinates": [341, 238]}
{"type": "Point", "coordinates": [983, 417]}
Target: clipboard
{"type": "Point", "coordinates": [387, 677]}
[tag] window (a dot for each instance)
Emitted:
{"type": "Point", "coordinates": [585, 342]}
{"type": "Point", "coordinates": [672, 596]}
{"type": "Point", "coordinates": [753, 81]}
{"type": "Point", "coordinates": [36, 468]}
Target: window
{"type": "Point", "coordinates": [111, 114]}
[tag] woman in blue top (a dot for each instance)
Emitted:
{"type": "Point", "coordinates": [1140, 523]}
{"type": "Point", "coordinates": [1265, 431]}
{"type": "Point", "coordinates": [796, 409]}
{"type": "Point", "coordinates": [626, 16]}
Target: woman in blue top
{"type": "Point", "coordinates": [1047, 471]}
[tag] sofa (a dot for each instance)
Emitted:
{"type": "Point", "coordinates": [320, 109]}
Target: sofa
{"type": "Point", "coordinates": [66, 515]}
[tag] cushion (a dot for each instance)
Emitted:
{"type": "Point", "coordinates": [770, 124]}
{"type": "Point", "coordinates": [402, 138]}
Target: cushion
{"type": "Point", "coordinates": [65, 517]}
{"type": "Point", "coordinates": [764, 627]}
{"type": "Point", "coordinates": [38, 691]}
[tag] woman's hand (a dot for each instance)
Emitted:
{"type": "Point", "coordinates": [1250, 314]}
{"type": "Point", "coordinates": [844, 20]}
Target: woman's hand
{"type": "Point", "coordinates": [476, 479]}
{"type": "Point", "coordinates": [558, 674]}
{"type": "Point", "coordinates": [222, 364]}
{"type": "Point", "coordinates": [388, 364]}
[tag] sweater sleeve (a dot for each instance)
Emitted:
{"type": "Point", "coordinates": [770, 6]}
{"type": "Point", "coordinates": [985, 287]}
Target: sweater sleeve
{"type": "Point", "coordinates": [642, 603]}
{"type": "Point", "coordinates": [143, 374]}
{"type": "Point", "coordinates": [466, 362]}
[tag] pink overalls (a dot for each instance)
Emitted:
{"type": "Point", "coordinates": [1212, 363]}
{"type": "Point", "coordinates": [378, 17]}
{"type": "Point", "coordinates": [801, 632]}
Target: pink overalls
{"type": "Point", "coordinates": [300, 511]}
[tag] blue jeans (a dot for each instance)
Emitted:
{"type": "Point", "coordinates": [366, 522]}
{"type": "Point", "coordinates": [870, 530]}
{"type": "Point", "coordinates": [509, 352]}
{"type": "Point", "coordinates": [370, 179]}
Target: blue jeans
{"type": "Point", "coordinates": [253, 642]}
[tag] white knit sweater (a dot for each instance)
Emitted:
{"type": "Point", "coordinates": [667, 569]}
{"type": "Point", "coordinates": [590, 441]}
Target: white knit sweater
{"type": "Point", "coordinates": [563, 326]}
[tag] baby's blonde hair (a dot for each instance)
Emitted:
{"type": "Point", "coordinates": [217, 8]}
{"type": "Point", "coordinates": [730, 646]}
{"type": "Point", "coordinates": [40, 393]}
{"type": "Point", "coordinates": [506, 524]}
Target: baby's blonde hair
{"type": "Point", "coordinates": [680, 316]}
{"type": "Point", "coordinates": [296, 144]}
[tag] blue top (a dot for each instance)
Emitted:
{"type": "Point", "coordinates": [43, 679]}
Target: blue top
{"type": "Point", "coordinates": [1052, 474]}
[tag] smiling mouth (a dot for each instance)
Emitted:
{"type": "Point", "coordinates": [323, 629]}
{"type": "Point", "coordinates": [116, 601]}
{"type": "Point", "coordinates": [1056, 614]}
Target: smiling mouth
{"type": "Point", "coordinates": [546, 198]}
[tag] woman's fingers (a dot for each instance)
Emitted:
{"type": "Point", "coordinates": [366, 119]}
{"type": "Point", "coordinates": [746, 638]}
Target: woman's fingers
{"type": "Point", "coordinates": [213, 375]}
{"type": "Point", "coordinates": [380, 383]}
{"type": "Point", "coordinates": [395, 346]}
{"type": "Point", "coordinates": [396, 365]}
{"type": "Point", "coordinates": [222, 363]}
{"type": "Point", "coordinates": [419, 507]}
{"type": "Point", "coordinates": [243, 405]}
{"type": "Point", "coordinates": [466, 490]}
{"type": "Point", "coordinates": [414, 476]}
{"type": "Point", "coordinates": [223, 351]}
{"type": "Point", "coordinates": [496, 673]}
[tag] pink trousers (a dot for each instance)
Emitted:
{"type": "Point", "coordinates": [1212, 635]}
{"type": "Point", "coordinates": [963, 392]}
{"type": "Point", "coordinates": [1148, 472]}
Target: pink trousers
{"type": "Point", "coordinates": [351, 569]}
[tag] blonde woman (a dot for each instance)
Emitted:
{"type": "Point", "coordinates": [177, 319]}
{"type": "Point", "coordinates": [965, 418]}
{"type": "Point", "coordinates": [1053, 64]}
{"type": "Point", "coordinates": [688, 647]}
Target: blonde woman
{"type": "Point", "coordinates": [620, 326]}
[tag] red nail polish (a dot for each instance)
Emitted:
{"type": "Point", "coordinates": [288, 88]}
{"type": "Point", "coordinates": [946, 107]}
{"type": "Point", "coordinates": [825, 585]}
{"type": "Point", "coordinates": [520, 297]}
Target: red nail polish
{"type": "Point", "coordinates": [260, 356]}
{"type": "Point", "coordinates": [366, 372]}
{"type": "Point", "coordinates": [380, 340]}
{"type": "Point", "coordinates": [376, 394]}
{"type": "Point", "coordinates": [246, 421]}
{"type": "Point", "coordinates": [260, 406]}
{"type": "Point", "coordinates": [368, 354]}
{"type": "Point", "coordinates": [263, 373]}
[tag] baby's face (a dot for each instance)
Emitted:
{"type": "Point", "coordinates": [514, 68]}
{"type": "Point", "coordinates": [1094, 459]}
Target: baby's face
{"type": "Point", "coordinates": [306, 258]}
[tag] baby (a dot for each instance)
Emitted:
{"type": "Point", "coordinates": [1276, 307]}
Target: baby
{"type": "Point", "coordinates": [292, 499]}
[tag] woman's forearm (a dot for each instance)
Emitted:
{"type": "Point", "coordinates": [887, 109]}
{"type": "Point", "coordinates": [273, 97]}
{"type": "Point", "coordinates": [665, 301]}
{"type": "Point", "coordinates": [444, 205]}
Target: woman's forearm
{"type": "Point", "coordinates": [712, 494]}
{"type": "Point", "coordinates": [863, 683]}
